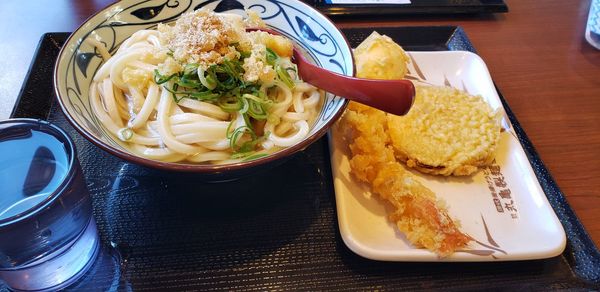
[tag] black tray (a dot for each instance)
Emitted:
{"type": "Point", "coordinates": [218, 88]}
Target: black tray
{"type": "Point", "coordinates": [416, 7]}
{"type": "Point", "coordinates": [276, 230]}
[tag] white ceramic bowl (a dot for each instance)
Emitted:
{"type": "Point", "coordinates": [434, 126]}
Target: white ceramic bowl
{"type": "Point", "coordinates": [78, 61]}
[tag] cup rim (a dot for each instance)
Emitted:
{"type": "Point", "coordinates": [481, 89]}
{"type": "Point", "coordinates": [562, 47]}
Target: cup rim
{"type": "Point", "coordinates": [71, 151]}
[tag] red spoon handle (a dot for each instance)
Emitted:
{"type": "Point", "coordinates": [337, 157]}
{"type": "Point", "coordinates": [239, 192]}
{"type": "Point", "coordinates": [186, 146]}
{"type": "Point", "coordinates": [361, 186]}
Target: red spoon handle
{"type": "Point", "coordinates": [392, 96]}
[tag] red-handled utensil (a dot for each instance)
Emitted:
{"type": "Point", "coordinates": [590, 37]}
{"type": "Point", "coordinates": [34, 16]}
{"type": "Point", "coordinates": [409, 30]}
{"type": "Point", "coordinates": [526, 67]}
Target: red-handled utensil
{"type": "Point", "coordinates": [392, 96]}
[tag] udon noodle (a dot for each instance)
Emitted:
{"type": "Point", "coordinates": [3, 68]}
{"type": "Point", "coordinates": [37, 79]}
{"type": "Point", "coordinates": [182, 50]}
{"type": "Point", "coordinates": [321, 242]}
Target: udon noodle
{"type": "Point", "coordinates": [203, 90]}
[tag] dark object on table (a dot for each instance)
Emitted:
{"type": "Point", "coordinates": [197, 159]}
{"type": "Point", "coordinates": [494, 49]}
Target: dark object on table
{"type": "Point", "coordinates": [40, 172]}
{"type": "Point", "coordinates": [416, 7]}
{"type": "Point", "coordinates": [278, 230]}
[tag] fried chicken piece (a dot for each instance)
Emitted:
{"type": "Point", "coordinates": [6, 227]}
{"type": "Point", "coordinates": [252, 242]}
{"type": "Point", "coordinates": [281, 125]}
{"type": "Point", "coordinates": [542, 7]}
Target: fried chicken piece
{"type": "Point", "coordinates": [423, 220]}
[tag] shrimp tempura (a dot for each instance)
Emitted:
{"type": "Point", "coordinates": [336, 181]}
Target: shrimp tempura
{"type": "Point", "coordinates": [419, 215]}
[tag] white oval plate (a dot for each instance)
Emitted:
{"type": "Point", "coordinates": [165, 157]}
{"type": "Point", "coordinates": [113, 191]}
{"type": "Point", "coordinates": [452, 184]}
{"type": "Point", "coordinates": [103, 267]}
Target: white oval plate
{"type": "Point", "coordinates": [519, 225]}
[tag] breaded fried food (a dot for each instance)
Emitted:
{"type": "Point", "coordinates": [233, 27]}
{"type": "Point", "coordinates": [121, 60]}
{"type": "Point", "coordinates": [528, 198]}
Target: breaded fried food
{"type": "Point", "coordinates": [446, 132]}
{"type": "Point", "coordinates": [418, 214]}
{"type": "Point", "coordinates": [379, 57]}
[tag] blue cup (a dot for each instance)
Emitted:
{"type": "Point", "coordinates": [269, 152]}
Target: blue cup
{"type": "Point", "coordinates": [48, 236]}
{"type": "Point", "coordinates": [592, 30]}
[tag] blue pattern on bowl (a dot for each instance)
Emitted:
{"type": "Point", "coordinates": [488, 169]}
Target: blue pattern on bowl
{"type": "Point", "coordinates": [79, 61]}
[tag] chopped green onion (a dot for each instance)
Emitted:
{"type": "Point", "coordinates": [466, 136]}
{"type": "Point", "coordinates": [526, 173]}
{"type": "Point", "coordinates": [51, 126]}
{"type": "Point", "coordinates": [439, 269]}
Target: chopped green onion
{"type": "Point", "coordinates": [257, 111]}
{"type": "Point", "coordinates": [245, 55]}
{"type": "Point", "coordinates": [245, 106]}
{"type": "Point", "coordinates": [256, 107]}
{"type": "Point", "coordinates": [223, 85]}
{"type": "Point", "coordinates": [247, 121]}
{"type": "Point", "coordinates": [231, 104]}
{"type": "Point", "coordinates": [203, 95]}
{"type": "Point", "coordinates": [188, 83]}
{"type": "Point", "coordinates": [284, 76]}
{"type": "Point", "coordinates": [190, 69]}
{"type": "Point", "coordinates": [237, 134]}
{"type": "Point", "coordinates": [247, 147]}
{"type": "Point", "coordinates": [209, 81]}
{"type": "Point", "coordinates": [271, 57]}
{"type": "Point", "coordinates": [173, 92]}
{"type": "Point", "coordinates": [160, 79]}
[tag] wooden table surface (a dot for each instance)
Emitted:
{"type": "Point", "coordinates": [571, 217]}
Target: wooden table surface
{"type": "Point", "coordinates": [536, 53]}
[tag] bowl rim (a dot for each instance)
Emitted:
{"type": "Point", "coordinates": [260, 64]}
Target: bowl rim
{"type": "Point", "coordinates": [198, 168]}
